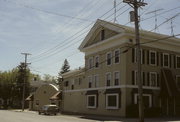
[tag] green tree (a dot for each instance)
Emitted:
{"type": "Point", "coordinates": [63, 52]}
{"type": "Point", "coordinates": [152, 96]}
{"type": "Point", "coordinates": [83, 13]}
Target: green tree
{"type": "Point", "coordinates": [65, 68]}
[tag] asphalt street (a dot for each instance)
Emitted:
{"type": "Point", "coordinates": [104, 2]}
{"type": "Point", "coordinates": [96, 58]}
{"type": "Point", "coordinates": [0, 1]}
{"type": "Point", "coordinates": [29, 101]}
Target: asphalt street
{"type": "Point", "coordinates": [14, 116]}
{"type": "Point", "coordinates": [29, 116]}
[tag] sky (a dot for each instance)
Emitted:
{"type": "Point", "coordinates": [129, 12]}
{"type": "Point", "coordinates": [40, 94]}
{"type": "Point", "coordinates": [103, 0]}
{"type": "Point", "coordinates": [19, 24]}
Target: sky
{"type": "Point", "coordinates": [52, 30]}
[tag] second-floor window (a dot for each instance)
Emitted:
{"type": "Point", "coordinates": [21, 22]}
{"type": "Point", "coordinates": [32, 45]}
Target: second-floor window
{"type": "Point", "coordinates": [90, 63]}
{"type": "Point", "coordinates": [152, 58]}
{"type": "Point", "coordinates": [109, 58]}
{"type": "Point", "coordinates": [97, 61]}
{"type": "Point", "coordinates": [96, 80]}
{"type": "Point", "coordinates": [178, 62]}
{"type": "Point", "coordinates": [116, 56]}
{"type": "Point", "coordinates": [116, 78]}
{"type": "Point", "coordinates": [153, 78]}
{"type": "Point", "coordinates": [108, 79]}
{"type": "Point", "coordinates": [90, 81]}
{"type": "Point", "coordinates": [166, 60]}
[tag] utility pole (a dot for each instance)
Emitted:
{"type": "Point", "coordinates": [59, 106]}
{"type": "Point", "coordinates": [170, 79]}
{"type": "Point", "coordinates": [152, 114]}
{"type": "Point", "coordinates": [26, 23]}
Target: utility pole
{"type": "Point", "coordinates": [24, 82]}
{"type": "Point", "coordinates": [136, 4]}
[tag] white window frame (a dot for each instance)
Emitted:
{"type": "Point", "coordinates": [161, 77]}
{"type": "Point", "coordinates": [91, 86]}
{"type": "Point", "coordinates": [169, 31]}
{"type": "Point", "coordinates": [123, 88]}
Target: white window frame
{"type": "Point", "coordinates": [151, 79]}
{"type": "Point", "coordinates": [151, 51]}
{"type": "Point", "coordinates": [95, 101]}
{"type": "Point", "coordinates": [106, 79]}
{"type": "Point", "coordinates": [118, 77]}
{"type": "Point", "coordinates": [164, 60]}
{"type": "Point", "coordinates": [96, 81]}
{"type": "Point", "coordinates": [135, 57]}
{"type": "Point", "coordinates": [89, 64]}
{"type": "Point", "coordinates": [177, 56]}
{"type": "Point", "coordinates": [96, 61]}
{"type": "Point", "coordinates": [117, 101]}
{"type": "Point", "coordinates": [90, 81]}
{"type": "Point", "coordinates": [115, 56]}
{"type": "Point", "coordinates": [136, 75]}
{"type": "Point", "coordinates": [107, 58]}
{"type": "Point", "coordinates": [136, 98]}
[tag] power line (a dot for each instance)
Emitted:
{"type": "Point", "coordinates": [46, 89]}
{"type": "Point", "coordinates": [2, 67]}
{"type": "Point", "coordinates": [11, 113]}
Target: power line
{"type": "Point", "coordinates": [79, 32]}
{"type": "Point", "coordinates": [48, 12]}
{"type": "Point", "coordinates": [67, 42]}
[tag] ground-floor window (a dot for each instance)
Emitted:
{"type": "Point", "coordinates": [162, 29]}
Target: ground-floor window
{"type": "Point", "coordinates": [147, 99]}
{"type": "Point", "coordinates": [112, 101]}
{"type": "Point", "coordinates": [91, 101]}
{"type": "Point", "coordinates": [37, 102]}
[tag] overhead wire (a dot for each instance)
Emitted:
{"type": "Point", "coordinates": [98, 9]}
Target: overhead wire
{"type": "Point", "coordinates": [60, 44]}
{"type": "Point", "coordinates": [67, 42]}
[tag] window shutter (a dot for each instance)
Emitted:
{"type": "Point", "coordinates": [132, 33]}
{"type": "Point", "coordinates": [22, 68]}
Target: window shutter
{"type": "Point", "coordinates": [157, 57]}
{"type": "Point", "coordinates": [161, 59]}
{"type": "Point", "coordinates": [148, 79]}
{"type": "Point", "coordinates": [158, 82]}
{"type": "Point", "coordinates": [144, 79]}
{"type": "Point", "coordinates": [133, 56]}
{"type": "Point", "coordinates": [133, 77]}
{"type": "Point", "coordinates": [170, 60]}
{"type": "Point", "coordinates": [147, 56]}
{"type": "Point", "coordinates": [174, 61]}
{"type": "Point", "coordinates": [143, 56]}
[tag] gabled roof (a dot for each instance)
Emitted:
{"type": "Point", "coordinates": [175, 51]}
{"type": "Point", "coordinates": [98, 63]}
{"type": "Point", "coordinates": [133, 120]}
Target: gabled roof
{"type": "Point", "coordinates": [123, 29]}
{"type": "Point", "coordinates": [100, 23]}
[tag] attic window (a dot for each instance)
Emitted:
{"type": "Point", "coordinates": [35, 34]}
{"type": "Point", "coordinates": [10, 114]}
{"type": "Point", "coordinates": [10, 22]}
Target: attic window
{"type": "Point", "coordinates": [102, 34]}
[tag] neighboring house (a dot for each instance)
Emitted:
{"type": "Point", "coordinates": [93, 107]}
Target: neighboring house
{"type": "Point", "coordinates": [35, 84]}
{"type": "Point", "coordinates": [42, 96]}
{"type": "Point", "coordinates": [108, 85]}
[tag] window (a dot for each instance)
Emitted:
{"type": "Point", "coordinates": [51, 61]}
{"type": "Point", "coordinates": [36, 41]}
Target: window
{"type": "Point", "coordinates": [72, 86]}
{"type": "Point", "coordinates": [79, 81]}
{"type": "Point", "coordinates": [109, 58]}
{"type": "Point", "coordinates": [116, 56]}
{"type": "Point", "coordinates": [136, 75]}
{"type": "Point", "coordinates": [165, 60]}
{"type": "Point", "coordinates": [90, 81]}
{"type": "Point", "coordinates": [108, 79]}
{"type": "Point", "coordinates": [66, 83]}
{"type": "Point", "coordinates": [96, 80]}
{"type": "Point", "coordinates": [116, 78]}
{"type": "Point", "coordinates": [141, 54]}
{"type": "Point", "coordinates": [152, 58]}
{"type": "Point", "coordinates": [97, 61]}
{"type": "Point", "coordinates": [112, 101]}
{"type": "Point", "coordinates": [90, 63]}
{"type": "Point", "coordinates": [178, 80]}
{"type": "Point", "coordinates": [102, 34]}
{"type": "Point", "coordinates": [37, 102]}
{"type": "Point", "coordinates": [178, 62]}
{"type": "Point", "coordinates": [153, 78]}
{"type": "Point", "coordinates": [147, 98]}
{"type": "Point", "coordinates": [91, 101]}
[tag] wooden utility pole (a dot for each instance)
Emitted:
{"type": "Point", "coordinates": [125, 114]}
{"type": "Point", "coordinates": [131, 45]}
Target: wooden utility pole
{"type": "Point", "coordinates": [24, 82]}
{"type": "Point", "coordinates": [136, 4]}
